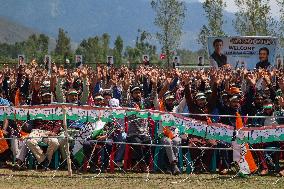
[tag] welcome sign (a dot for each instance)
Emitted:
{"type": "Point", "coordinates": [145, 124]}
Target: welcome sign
{"type": "Point", "coordinates": [243, 51]}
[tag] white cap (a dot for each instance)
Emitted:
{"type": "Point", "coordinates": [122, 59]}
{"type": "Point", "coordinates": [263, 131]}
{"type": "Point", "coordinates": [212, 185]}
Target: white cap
{"type": "Point", "coordinates": [114, 103]}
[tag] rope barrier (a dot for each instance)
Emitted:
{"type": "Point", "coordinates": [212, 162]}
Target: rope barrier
{"type": "Point", "coordinates": [151, 144]}
{"type": "Point", "coordinates": [60, 105]}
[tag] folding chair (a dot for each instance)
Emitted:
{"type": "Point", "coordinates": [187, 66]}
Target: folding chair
{"type": "Point", "coordinates": [129, 151]}
{"type": "Point", "coordinates": [190, 165]}
{"type": "Point", "coordinates": [54, 162]}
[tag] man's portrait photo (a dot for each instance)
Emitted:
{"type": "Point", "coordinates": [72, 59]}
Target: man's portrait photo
{"type": "Point", "coordinates": [21, 60]}
{"type": "Point", "coordinates": [200, 61]}
{"type": "Point", "coordinates": [176, 61]}
{"type": "Point", "coordinates": [109, 61]}
{"type": "Point", "coordinates": [263, 55]}
{"type": "Point", "coordinates": [78, 60]}
{"type": "Point", "coordinates": [279, 63]}
{"type": "Point", "coordinates": [146, 60]}
{"type": "Point", "coordinates": [218, 55]}
{"type": "Point", "coordinates": [47, 62]}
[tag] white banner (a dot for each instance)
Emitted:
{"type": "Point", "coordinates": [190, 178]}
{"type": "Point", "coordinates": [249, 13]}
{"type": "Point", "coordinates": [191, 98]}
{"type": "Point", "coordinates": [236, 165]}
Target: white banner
{"type": "Point", "coordinates": [241, 51]}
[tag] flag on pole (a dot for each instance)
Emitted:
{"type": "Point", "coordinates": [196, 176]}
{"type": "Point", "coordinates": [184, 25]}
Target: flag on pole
{"type": "Point", "coordinates": [90, 130]}
{"type": "Point", "coordinates": [162, 56]}
{"type": "Point", "coordinates": [241, 153]}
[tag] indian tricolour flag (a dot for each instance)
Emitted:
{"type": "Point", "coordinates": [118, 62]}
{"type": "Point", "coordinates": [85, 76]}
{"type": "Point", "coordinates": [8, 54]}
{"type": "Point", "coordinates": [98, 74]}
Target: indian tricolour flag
{"type": "Point", "coordinates": [241, 154]}
{"type": "Point", "coordinates": [86, 132]}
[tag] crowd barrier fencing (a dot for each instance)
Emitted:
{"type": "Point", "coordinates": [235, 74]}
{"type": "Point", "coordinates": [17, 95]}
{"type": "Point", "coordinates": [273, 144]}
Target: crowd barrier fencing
{"type": "Point", "coordinates": [186, 125]}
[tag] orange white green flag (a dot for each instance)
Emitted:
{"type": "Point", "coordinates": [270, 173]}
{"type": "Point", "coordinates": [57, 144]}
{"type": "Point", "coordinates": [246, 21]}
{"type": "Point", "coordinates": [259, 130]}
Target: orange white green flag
{"type": "Point", "coordinates": [241, 153]}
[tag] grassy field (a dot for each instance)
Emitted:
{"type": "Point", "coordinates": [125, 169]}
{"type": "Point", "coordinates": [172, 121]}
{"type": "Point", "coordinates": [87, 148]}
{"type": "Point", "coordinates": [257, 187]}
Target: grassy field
{"type": "Point", "coordinates": [59, 179]}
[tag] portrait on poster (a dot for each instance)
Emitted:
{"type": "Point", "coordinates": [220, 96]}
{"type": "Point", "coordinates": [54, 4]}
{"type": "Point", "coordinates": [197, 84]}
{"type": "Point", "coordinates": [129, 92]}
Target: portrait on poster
{"type": "Point", "coordinates": [21, 60]}
{"type": "Point", "coordinates": [79, 61]}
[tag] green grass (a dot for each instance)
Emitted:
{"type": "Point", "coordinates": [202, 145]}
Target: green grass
{"type": "Point", "coordinates": [59, 179]}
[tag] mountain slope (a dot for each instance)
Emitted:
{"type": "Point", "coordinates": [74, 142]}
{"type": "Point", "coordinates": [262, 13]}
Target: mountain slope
{"type": "Point", "coordinates": [87, 18]}
{"type": "Point", "coordinates": [11, 32]}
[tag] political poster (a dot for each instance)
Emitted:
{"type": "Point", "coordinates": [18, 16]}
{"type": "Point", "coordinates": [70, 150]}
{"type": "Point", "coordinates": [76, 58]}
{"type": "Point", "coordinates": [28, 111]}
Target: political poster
{"type": "Point", "coordinates": [242, 51]}
{"type": "Point", "coordinates": [78, 61]}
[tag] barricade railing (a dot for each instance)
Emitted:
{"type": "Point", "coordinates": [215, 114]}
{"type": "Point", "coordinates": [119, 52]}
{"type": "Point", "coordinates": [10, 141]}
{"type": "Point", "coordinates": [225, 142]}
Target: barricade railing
{"type": "Point", "coordinates": [205, 130]}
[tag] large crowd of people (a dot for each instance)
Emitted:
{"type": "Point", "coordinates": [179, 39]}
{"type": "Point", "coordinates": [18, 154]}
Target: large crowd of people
{"type": "Point", "coordinates": [218, 91]}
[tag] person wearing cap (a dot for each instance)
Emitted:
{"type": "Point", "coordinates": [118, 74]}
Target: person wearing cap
{"type": "Point", "coordinates": [72, 95]}
{"type": "Point", "coordinates": [91, 141]}
{"type": "Point", "coordinates": [169, 135]}
{"type": "Point", "coordinates": [111, 132]}
{"type": "Point", "coordinates": [114, 132]}
{"type": "Point", "coordinates": [138, 128]}
{"type": "Point", "coordinates": [198, 104]}
{"type": "Point", "coordinates": [236, 103]}
{"type": "Point", "coordinates": [208, 93]}
{"type": "Point", "coordinates": [44, 131]}
{"type": "Point", "coordinates": [254, 107]}
{"type": "Point", "coordinates": [98, 100]}
{"type": "Point", "coordinates": [231, 108]}
{"type": "Point", "coordinates": [72, 125]}
{"type": "Point", "coordinates": [270, 119]}
{"type": "Point", "coordinates": [223, 102]}
{"type": "Point", "coordinates": [107, 97]}
{"type": "Point", "coordinates": [119, 133]}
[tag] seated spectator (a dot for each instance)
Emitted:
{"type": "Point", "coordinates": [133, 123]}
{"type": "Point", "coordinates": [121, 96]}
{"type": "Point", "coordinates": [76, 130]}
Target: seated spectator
{"type": "Point", "coordinates": [44, 131]}
{"type": "Point", "coordinates": [138, 130]}
{"type": "Point", "coordinates": [267, 159]}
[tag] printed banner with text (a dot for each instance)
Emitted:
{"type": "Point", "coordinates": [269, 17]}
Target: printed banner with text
{"type": "Point", "coordinates": [241, 51]}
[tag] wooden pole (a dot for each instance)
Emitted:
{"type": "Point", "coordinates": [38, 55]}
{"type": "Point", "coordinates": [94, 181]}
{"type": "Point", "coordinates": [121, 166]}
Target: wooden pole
{"type": "Point", "coordinates": [67, 141]}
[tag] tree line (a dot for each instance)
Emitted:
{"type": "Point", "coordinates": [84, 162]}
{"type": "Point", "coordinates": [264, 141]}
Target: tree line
{"type": "Point", "coordinates": [253, 17]}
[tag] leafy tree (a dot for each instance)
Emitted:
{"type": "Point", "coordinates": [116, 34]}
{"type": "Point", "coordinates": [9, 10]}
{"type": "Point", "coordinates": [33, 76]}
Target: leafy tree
{"type": "Point", "coordinates": [63, 45]}
{"type": "Point", "coordinates": [254, 18]}
{"type": "Point", "coordinates": [105, 46]}
{"type": "Point", "coordinates": [142, 46]}
{"type": "Point", "coordinates": [36, 46]}
{"type": "Point", "coordinates": [43, 42]}
{"type": "Point", "coordinates": [169, 18]}
{"type": "Point", "coordinates": [280, 33]}
{"type": "Point", "coordinates": [118, 48]}
{"type": "Point", "coordinates": [214, 13]}
{"type": "Point", "coordinates": [93, 49]}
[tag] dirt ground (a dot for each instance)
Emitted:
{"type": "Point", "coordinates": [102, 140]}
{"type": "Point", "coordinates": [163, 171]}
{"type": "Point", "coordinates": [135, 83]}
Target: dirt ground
{"type": "Point", "coordinates": [60, 179]}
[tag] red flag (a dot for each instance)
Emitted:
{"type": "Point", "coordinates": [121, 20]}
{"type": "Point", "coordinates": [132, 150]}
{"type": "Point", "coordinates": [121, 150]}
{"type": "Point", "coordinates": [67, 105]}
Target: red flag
{"type": "Point", "coordinates": [17, 97]}
{"type": "Point", "coordinates": [162, 56]}
{"type": "Point", "coordinates": [3, 143]}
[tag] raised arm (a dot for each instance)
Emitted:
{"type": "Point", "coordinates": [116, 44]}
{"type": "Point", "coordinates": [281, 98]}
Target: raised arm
{"type": "Point", "coordinates": [85, 94]}
{"type": "Point", "coordinates": [58, 89]}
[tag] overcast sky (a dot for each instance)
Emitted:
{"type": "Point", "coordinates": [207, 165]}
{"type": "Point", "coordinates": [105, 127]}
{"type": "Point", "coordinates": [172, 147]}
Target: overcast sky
{"type": "Point", "coordinates": [232, 8]}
